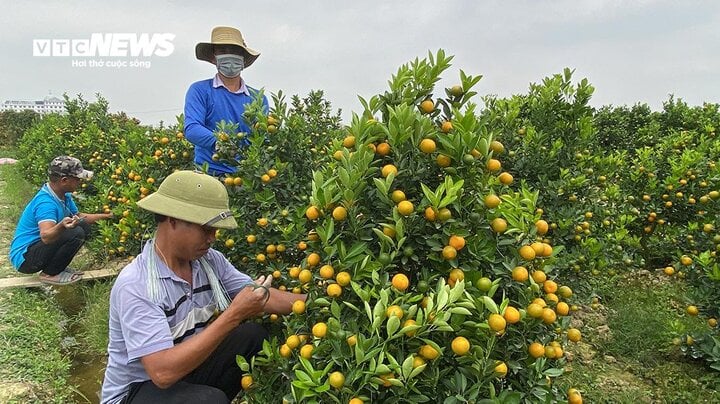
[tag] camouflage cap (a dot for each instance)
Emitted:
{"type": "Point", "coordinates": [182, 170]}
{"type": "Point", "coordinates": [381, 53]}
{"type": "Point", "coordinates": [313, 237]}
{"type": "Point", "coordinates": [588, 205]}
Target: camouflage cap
{"type": "Point", "coordinates": [66, 166]}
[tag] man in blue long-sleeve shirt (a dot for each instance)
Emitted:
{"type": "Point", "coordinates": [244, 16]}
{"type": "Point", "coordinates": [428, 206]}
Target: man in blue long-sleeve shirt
{"type": "Point", "coordinates": [222, 97]}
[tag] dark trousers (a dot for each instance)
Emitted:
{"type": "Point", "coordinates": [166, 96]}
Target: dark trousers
{"type": "Point", "coordinates": [215, 381]}
{"type": "Point", "coordinates": [54, 258]}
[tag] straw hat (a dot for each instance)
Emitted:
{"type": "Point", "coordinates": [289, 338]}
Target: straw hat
{"type": "Point", "coordinates": [225, 36]}
{"type": "Point", "coordinates": [193, 197]}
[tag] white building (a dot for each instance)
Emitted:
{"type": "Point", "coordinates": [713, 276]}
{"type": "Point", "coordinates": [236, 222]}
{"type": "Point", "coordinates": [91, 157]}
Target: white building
{"type": "Point", "coordinates": [47, 106]}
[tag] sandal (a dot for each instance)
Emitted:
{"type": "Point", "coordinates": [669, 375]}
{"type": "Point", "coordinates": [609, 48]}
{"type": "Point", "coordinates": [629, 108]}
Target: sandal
{"type": "Point", "coordinates": [63, 278]}
{"type": "Point", "coordinates": [73, 271]}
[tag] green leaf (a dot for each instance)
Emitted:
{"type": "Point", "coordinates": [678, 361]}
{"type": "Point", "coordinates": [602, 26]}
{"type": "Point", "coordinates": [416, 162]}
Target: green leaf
{"type": "Point", "coordinates": [460, 310]}
{"type": "Point", "coordinates": [302, 376]}
{"type": "Point", "coordinates": [352, 306]}
{"type": "Point", "coordinates": [368, 310]}
{"type": "Point", "coordinates": [456, 291]}
{"type": "Point", "coordinates": [364, 295]}
{"type": "Point", "coordinates": [382, 369]}
{"type": "Point", "coordinates": [357, 249]}
{"type": "Point", "coordinates": [430, 195]}
{"type": "Point", "coordinates": [341, 250]}
{"type": "Point", "coordinates": [393, 323]}
{"type": "Point", "coordinates": [242, 363]}
{"type": "Point", "coordinates": [329, 230]}
{"type": "Point", "coordinates": [335, 309]}
{"type": "Point", "coordinates": [490, 305]}
{"type": "Point", "coordinates": [407, 367]}
{"type": "Point", "coordinates": [344, 177]}
{"type": "Point", "coordinates": [359, 354]}
{"type": "Point", "coordinates": [321, 302]}
{"type": "Point", "coordinates": [381, 186]}
{"type": "Point", "coordinates": [442, 299]}
{"type": "Point", "coordinates": [553, 372]}
{"type": "Point", "coordinates": [378, 315]}
{"type": "Point", "coordinates": [383, 237]}
{"type": "Point", "coordinates": [417, 371]}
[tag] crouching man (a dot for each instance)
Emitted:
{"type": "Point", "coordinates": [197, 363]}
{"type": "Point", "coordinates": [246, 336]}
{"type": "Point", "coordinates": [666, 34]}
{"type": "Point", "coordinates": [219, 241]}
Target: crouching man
{"type": "Point", "coordinates": [167, 342]}
{"type": "Point", "coordinates": [51, 231]}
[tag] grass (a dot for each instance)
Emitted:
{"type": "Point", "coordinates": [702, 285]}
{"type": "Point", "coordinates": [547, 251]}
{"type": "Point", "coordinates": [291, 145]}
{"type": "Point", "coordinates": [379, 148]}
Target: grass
{"type": "Point", "coordinates": [647, 315]}
{"type": "Point", "coordinates": [92, 321]}
{"type": "Point", "coordinates": [90, 326]}
{"type": "Point", "coordinates": [33, 363]}
{"type": "Point", "coordinates": [15, 191]}
{"type": "Point", "coordinates": [627, 354]}
{"type": "Point", "coordinates": [52, 342]}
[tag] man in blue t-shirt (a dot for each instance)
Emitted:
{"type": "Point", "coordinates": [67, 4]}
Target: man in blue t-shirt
{"type": "Point", "coordinates": [51, 230]}
{"type": "Point", "coordinates": [223, 97]}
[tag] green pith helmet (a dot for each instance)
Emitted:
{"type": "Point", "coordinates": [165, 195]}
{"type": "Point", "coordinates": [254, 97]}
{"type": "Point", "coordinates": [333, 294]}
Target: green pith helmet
{"type": "Point", "coordinates": [193, 197]}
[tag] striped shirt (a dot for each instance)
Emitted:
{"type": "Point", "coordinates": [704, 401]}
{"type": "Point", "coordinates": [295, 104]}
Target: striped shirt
{"type": "Point", "coordinates": [139, 327]}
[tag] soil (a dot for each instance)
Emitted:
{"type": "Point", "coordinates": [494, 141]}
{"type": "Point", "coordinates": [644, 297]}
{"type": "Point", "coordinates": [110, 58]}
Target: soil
{"type": "Point", "coordinates": [12, 390]}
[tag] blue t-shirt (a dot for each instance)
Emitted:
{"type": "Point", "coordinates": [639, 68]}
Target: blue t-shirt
{"type": "Point", "coordinates": [140, 327]}
{"type": "Point", "coordinates": [44, 207]}
{"type": "Point", "coordinates": [205, 107]}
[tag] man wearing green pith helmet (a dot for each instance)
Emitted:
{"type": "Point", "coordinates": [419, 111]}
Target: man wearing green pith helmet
{"type": "Point", "coordinates": [167, 344]}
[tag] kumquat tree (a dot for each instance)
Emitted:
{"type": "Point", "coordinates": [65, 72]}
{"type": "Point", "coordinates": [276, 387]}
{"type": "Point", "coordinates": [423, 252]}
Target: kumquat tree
{"type": "Point", "coordinates": [425, 264]}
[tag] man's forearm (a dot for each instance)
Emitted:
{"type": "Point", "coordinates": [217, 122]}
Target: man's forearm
{"type": "Point", "coordinates": [91, 218]}
{"type": "Point", "coordinates": [52, 234]}
{"type": "Point", "coordinates": [199, 135]}
{"type": "Point", "coordinates": [280, 302]}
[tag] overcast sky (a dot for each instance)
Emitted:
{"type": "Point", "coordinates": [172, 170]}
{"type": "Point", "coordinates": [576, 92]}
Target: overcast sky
{"type": "Point", "coordinates": [631, 51]}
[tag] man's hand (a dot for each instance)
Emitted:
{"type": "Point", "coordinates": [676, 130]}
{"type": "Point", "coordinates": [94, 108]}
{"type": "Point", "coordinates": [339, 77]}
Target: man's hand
{"type": "Point", "coordinates": [264, 281]}
{"type": "Point", "coordinates": [91, 218]}
{"type": "Point", "coordinates": [248, 303]}
{"type": "Point", "coordinates": [70, 222]}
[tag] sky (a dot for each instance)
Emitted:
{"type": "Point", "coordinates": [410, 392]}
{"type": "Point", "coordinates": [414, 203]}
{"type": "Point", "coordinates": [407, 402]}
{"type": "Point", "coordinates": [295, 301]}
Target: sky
{"type": "Point", "coordinates": [630, 51]}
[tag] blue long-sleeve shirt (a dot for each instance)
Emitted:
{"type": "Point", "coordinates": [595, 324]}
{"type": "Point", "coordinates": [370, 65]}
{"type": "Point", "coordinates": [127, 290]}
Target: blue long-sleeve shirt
{"type": "Point", "coordinates": [207, 102]}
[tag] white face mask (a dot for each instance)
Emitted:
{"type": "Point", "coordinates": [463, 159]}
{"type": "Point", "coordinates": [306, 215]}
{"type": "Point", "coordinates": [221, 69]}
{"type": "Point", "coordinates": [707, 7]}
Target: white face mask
{"type": "Point", "coordinates": [230, 65]}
